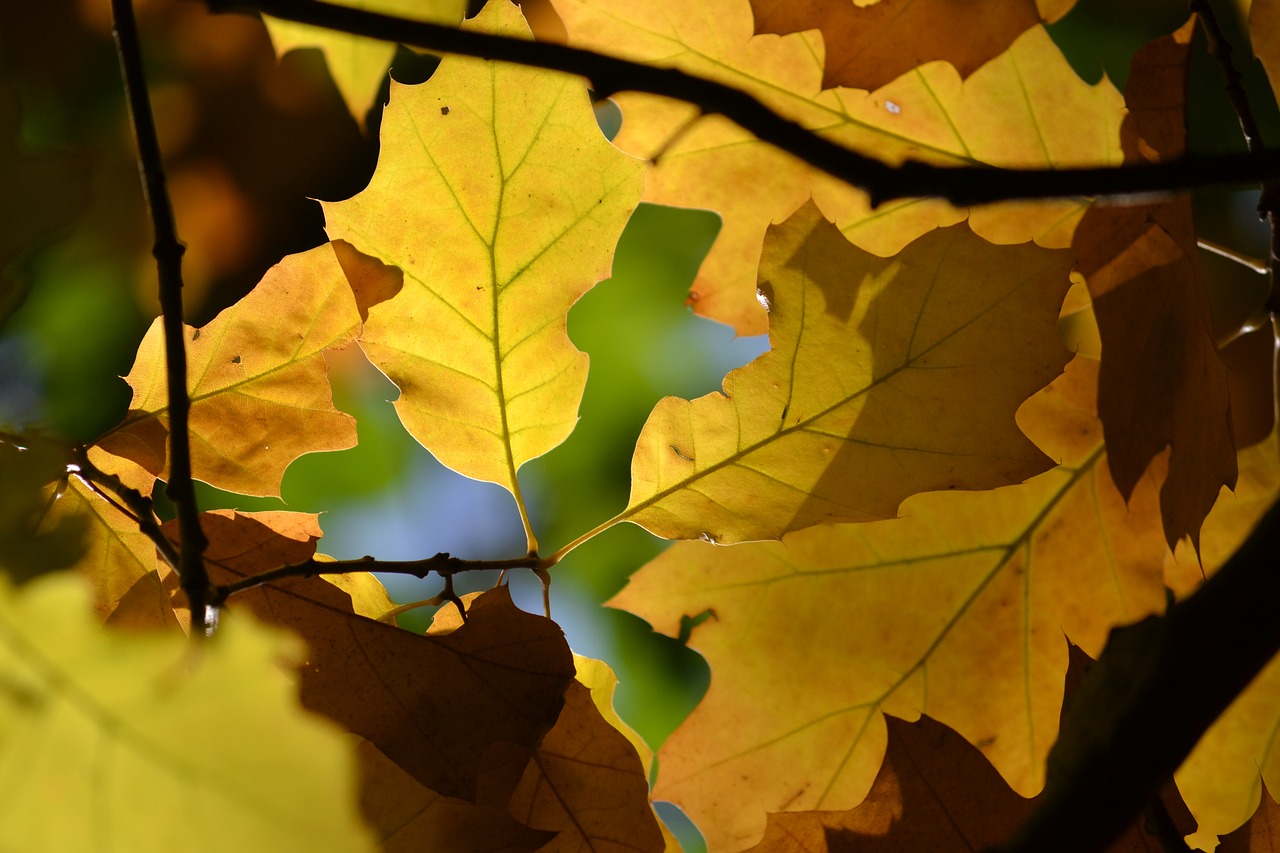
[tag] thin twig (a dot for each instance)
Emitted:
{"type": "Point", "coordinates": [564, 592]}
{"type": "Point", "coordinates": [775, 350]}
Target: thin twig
{"type": "Point", "coordinates": [1269, 201]}
{"type": "Point", "coordinates": [137, 505]}
{"type": "Point", "coordinates": [967, 185]}
{"type": "Point", "coordinates": [168, 254]}
{"type": "Point", "coordinates": [441, 564]}
{"type": "Point", "coordinates": [1230, 254]}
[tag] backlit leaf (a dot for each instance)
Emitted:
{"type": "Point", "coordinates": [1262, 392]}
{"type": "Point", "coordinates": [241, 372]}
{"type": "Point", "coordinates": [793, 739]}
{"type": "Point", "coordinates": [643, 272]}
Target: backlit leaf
{"type": "Point", "coordinates": [584, 781]}
{"type": "Point", "coordinates": [868, 46]}
{"type": "Point", "coordinates": [256, 374]}
{"type": "Point", "coordinates": [408, 817]}
{"type": "Point", "coordinates": [358, 64]}
{"type": "Point", "coordinates": [957, 609]}
{"type": "Point", "coordinates": [499, 198]}
{"type": "Point", "coordinates": [1024, 108]}
{"type": "Point", "coordinates": [433, 705]}
{"type": "Point", "coordinates": [886, 377]}
{"type": "Point", "coordinates": [1163, 383]}
{"type": "Point", "coordinates": [137, 742]}
{"type": "Point", "coordinates": [1264, 33]}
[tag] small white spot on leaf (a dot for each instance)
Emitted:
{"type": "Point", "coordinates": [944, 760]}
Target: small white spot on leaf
{"type": "Point", "coordinates": [893, 108]}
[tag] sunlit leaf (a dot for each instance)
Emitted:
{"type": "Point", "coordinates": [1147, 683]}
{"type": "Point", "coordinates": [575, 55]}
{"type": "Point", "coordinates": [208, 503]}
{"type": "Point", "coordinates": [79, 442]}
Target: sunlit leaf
{"type": "Point", "coordinates": [1024, 108]}
{"type": "Point", "coordinates": [139, 742]}
{"type": "Point", "coordinates": [958, 610]}
{"type": "Point", "coordinates": [886, 377]}
{"type": "Point", "coordinates": [433, 705]}
{"type": "Point", "coordinates": [256, 374]}
{"type": "Point", "coordinates": [358, 65]}
{"type": "Point", "coordinates": [499, 198]}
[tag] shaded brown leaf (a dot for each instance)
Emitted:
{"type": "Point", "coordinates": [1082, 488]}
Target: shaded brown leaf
{"type": "Point", "coordinates": [585, 781]}
{"type": "Point", "coordinates": [433, 705]}
{"type": "Point", "coordinates": [1162, 382]}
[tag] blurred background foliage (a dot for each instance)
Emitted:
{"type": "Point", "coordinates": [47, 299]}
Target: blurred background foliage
{"type": "Point", "coordinates": [250, 140]}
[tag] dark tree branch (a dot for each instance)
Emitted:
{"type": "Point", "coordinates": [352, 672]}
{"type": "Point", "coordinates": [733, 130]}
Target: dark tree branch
{"type": "Point", "coordinates": [1155, 690]}
{"type": "Point", "coordinates": [968, 185]}
{"type": "Point", "coordinates": [441, 564]}
{"type": "Point", "coordinates": [135, 504]}
{"type": "Point", "coordinates": [168, 254]}
{"type": "Point", "coordinates": [1269, 202]}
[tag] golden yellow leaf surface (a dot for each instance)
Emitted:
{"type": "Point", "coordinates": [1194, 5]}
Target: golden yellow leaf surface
{"type": "Point", "coordinates": [498, 196]}
{"type": "Point", "coordinates": [256, 374]}
{"type": "Point", "coordinates": [583, 781]}
{"type": "Point", "coordinates": [958, 609]}
{"type": "Point", "coordinates": [1221, 780]}
{"type": "Point", "coordinates": [869, 46]}
{"type": "Point", "coordinates": [1163, 383]}
{"type": "Point", "coordinates": [498, 678]}
{"type": "Point", "coordinates": [886, 377]}
{"type": "Point", "coordinates": [1264, 34]}
{"type": "Point", "coordinates": [1024, 108]}
{"type": "Point", "coordinates": [105, 738]}
{"type": "Point", "coordinates": [358, 64]}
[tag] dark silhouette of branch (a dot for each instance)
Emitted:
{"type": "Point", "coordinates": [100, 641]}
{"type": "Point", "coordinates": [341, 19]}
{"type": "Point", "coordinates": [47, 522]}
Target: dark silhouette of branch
{"type": "Point", "coordinates": [1269, 202]}
{"type": "Point", "coordinates": [168, 254]}
{"type": "Point", "coordinates": [131, 502]}
{"type": "Point", "coordinates": [608, 75]}
{"type": "Point", "coordinates": [1155, 690]}
{"type": "Point", "coordinates": [441, 564]}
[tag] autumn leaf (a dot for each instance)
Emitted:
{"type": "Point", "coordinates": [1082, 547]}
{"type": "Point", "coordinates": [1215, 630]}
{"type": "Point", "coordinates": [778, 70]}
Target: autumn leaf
{"type": "Point", "coordinates": [104, 738]}
{"type": "Point", "coordinates": [583, 781]}
{"type": "Point", "coordinates": [408, 817]}
{"type": "Point", "coordinates": [885, 378]}
{"type": "Point", "coordinates": [1264, 34]}
{"type": "Point", "coordinates": [1220, 780]}
{"type": "Point", "coordinates": [935, 792]}
{"type": "Point", "coordinates": [957, 609]}
{"type": "Point", "coordinates": [31, 543]}
{"type": "Point", "coordinates": [256, 374]}
{"type": "Point", "coordinates": [499, 198]}
{"type": "Point", "coordinates": [1024, 108]}
{"type": "Point", "coordinates": [870, 45]}
{"type": "Point", "coordinates": [499, 678]}
{"type": "Point", "coordinates": [1163, 383]}
{"type": "Point", "coordinates": [358, 64]}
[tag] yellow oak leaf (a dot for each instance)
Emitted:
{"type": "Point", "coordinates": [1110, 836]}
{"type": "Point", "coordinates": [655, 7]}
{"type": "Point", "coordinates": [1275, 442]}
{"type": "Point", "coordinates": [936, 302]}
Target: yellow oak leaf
{"type": "Point", "coordinates": [358, 64]}
{"type": "Point", "coordinates": [1221, 780]}
{"type": "Point", "coordinates": [869, 46]}
{"type": "Point", "coordinates": [1163, 383]}
{"type": "Point", "coordinates": [132, 742]}
{"type": "Point", "coordinates": [1024, 108]}
{"type": "Point", "coordinates": [119, 560]}
{"type": "Point", "coordinates": [498, 196]}
{"type": "Point", "coordinates": [957, 609]}
{"type": "Point", "coordinates": [256, 374]}
{"type": "Point", "coordinates": [498, 678]}
{"type": "Point", "coordinates": [584, 781]}
{"type": "Point", "coordinates": [886, 377]}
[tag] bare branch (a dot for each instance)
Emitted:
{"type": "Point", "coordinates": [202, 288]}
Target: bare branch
{"type": "Point", "coordinates": [608, 75]}
{"type": "Point", "coordinates": [168, 254]}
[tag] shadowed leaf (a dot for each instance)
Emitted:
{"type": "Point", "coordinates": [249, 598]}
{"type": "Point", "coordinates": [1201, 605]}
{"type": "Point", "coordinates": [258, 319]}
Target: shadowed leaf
{"type": "Point", "coordinates": [886, 377]}
{"type": "Point", "coordinates": [357, 64]}
{"type": "Point", "coordinates": [957, 609]}
{"type": "Point", "coordinates": [433, 705]}
{"type": "Point", "coordinates": [1162, 383]}
{"type": "Point", "coordinates": [868, 46]}
{"type": "Point", "coordinates": [1024, 108]}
